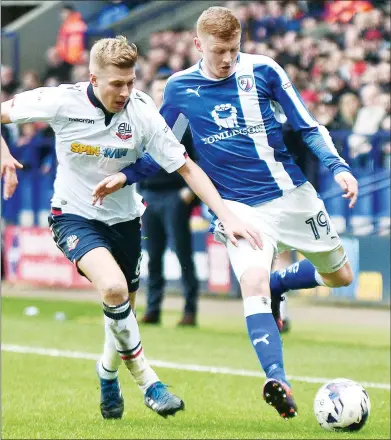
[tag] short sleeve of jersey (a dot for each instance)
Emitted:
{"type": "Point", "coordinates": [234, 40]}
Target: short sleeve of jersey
{"type": "Point", "coordinates": [39, 104]}
{"type": "Point", "coordinates": [161, 143]}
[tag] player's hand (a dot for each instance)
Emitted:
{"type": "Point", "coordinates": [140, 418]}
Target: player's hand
{"type": "Point", "coordinates": [107, 186]}
{"type": "Point", "coordinates": [8, 172]}
{"type": "Point", "coordinates": [349, 185]}
{"type": "Point", "coordinates": [234, 227]}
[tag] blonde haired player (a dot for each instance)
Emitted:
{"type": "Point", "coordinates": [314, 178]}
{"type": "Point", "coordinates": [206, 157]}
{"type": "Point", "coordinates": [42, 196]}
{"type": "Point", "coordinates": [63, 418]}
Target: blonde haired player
{"type": "Point", "coordinates": [102, 126]}
{"type": "Point", "coordinates": [246, 159]}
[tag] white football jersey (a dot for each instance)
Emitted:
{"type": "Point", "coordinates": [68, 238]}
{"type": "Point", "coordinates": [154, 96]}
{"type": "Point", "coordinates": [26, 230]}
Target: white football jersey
{"type": "Point", "coordinates": [92, 144]}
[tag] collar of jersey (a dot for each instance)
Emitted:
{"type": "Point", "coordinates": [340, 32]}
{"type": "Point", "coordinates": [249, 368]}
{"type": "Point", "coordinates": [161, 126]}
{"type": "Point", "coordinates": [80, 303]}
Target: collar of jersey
{"type": "Point", "coordinates": [95, 102]}
{"type": "Point", "coordinates": [217, 79]}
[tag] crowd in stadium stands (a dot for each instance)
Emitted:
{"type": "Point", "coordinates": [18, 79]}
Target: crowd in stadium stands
{"type": "Point", "coordinates": [337, 53]}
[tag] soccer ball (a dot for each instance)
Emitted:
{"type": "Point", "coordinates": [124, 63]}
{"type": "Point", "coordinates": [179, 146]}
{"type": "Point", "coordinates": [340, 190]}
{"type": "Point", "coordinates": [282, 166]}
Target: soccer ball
{"type": "Point", "coordinates": [342, 405]}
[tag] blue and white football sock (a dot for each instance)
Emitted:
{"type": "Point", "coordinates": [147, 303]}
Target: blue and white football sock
{"type": "Point", "coordinates": [123, 325]}
{"type": "Point", "coordinates": [264, 336]}
{"type": "Point", "coordinates": [300, 275]}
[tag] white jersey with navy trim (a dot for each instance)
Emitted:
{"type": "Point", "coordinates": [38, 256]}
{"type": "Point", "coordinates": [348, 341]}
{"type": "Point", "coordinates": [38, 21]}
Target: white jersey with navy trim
{"type": "Point", "coordinates": [236, 124]}
{"type": "Point", "coordinates": [92, 144]}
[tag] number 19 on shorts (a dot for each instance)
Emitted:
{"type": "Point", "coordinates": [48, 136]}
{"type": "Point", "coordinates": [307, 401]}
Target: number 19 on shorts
{"type": "Point", "coordinates": [321, 221]}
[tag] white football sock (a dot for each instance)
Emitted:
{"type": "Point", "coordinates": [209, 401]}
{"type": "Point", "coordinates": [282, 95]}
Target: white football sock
{"type": "Point", "coordinates": [110, 360]}
{"type": "Point", "coordinates": [123, 325]}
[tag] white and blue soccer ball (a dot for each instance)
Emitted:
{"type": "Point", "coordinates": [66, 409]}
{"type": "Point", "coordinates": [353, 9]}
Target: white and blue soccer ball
{"type": "Point", "coordinates": [342, 405]}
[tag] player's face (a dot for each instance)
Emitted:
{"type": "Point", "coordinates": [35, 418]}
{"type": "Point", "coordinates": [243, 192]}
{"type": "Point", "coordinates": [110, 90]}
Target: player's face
{"type": "Point", "coordinates": [157, 89]}
{"type": "Point", "coordinates": [113, 86]}
{"type": "Point", "coordinates": [219, 56]}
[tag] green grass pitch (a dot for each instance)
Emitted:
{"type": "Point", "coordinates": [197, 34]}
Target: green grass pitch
{"type": "Point", "coordinates": [58, 397]}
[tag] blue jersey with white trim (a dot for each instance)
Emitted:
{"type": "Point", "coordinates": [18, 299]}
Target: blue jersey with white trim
{"type": "Point", "coordinates": [236, 124]}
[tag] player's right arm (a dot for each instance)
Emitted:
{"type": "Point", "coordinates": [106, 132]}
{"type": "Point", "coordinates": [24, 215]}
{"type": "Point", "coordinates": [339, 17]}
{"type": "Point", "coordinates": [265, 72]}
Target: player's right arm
{"type": "Point", "coordinates": [8, 163]}
{"type": "Point", "coordinates": [8, 168]}
{"type": "Point", "coordinates": [5, 112]}
{"type": "Point", "coordinates": [39, 104]}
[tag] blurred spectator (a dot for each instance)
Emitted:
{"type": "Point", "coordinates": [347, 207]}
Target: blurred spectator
{"type": "Point", "coordinates": [310, 98]}
{"type": "Point", "coordinates": [30, 81]}
{"type": "Point", "coordinates": [56, 67]}
{"type": "Point", "coordinates": [9, 83]}
{"type": "Point", "coordinates": [385, 102]}
{"type": "Point", "coordinates": [176, 63]}
{"type": "Point", "coordinates": [368, 121]}
{"type": "Point", "coordinates": [384, 76]}
{"type": "Point", "coordinates": [166, 220]}
{"type": "Point", "coordinates": [70, 38]}
{"type": "Point", "coordinates": [113, 12]}
{"type": "Point", "coordinates": [349, 105]}
{"type": "Point", "coordinates": [52, 81]}
{"type": "Point", "coordinates": [371, 113]}
{"type": "Point", "coordinates": [326, 112]}
{"type": "Point", "coordinates": [344, 10]}
{"type": "Point", "coordinates": [80, 73]}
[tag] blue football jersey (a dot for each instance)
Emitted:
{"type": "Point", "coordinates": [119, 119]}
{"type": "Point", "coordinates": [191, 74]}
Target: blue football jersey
{"type": "Point", "coordinates": [236, 124]}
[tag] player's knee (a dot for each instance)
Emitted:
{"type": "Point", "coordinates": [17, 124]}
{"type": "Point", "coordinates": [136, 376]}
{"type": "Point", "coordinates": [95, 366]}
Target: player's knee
{"type": "Point", "coordinates": [348, 277]}
{"type": "Point", "coordinates": [255, 281]}
{"type": "Point", "coordinates": [342, 278]}
{"type": "Point", "coordinates": [115, 293]}
{"type": "Point", "coordinates": [345, 279]}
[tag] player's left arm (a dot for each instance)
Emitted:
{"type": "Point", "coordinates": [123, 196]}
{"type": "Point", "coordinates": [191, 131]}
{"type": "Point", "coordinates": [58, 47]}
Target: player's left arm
{"type": "Point", "coordinates": [315, 136]}
{"type": "Point", "coordinates": [143, 168]}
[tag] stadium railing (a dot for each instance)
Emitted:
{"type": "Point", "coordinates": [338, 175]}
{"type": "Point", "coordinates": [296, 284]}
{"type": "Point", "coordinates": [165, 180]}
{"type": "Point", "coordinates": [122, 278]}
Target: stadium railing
{"type": "Point", "coordinates": [13, 39]}
{"type": "Point", "coordinates": [370, 163]}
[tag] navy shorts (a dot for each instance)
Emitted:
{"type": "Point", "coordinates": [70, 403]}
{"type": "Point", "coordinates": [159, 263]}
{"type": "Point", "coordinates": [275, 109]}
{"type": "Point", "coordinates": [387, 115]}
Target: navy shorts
{"type": "Point", "coordinates": [76, 235]}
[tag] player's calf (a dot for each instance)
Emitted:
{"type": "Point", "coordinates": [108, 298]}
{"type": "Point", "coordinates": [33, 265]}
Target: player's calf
{"type": "Point", "coordinates": [342, 277]}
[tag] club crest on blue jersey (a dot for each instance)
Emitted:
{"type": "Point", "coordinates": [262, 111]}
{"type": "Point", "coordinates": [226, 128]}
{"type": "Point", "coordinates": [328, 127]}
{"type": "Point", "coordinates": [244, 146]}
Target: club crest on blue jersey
{"type": "Point", "coordinates": [225, 116]}
{"type": "Point", "coordinates": [124, 131]}
{"type": "Point", "coordinates": [246, 82]}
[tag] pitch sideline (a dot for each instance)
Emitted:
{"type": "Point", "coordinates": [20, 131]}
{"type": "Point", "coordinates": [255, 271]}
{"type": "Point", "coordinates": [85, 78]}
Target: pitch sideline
{"type": "Point", "coordinates": [174, 366]}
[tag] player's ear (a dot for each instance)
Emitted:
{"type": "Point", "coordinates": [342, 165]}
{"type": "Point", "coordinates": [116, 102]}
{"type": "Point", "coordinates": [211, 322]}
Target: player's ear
{"type": "Point", "coordinates": [197, 44]}
{"type": "Point", "coordinates": [93, 80]}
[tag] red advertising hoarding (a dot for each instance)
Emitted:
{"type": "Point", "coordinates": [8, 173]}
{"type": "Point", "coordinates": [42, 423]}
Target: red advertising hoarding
{"type": "Point", "coordinates": [31, 256]}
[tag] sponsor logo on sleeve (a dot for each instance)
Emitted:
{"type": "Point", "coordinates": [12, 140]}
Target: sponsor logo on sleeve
{"type": "Point", "coordinates": [82, 120]}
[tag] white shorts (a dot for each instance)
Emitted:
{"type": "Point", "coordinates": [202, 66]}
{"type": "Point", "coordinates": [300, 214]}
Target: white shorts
{"type": "Point", "coordinates": [297, 220]}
